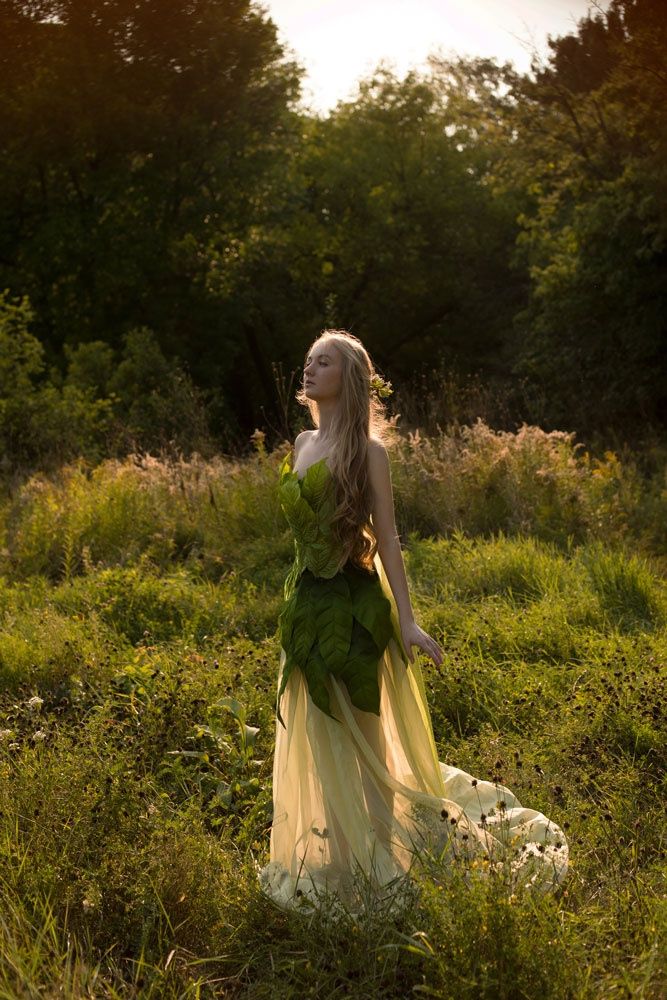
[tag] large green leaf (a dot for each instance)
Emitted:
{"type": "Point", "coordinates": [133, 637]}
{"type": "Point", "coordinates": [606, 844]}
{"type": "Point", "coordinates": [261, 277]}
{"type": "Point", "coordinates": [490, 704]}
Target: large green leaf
{"type": "Point", "coordinates": [317, 484]}
{"type": "Point", "coordinates": [289, 494]}
{"type": "Point", "coordinates": [333, 621]}
{"type": "Point", "coordinates": [304, 626]}
{"type": "Point", "coordinates": [305, 522]}
{"type": "Point", "coordinates": [325, 510]}
{"type": "Point", "coordinates": [286, 621]}
{"type": "Point", "coordinates": [316, 675]}
{"type": "Point", "coordinates": [360, 671]}
{"type": "Point", "coordinates": [371, 608]}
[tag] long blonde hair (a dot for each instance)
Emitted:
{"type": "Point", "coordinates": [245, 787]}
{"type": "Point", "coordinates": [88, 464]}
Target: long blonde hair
{"type": "Point", "coordinates": [360, 416]}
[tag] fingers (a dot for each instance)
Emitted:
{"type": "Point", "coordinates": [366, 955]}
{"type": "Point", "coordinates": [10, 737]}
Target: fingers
{"type": "Point", "coordinates": [428, 646]}
{"type": "Point", "coordinates": [434, 652]}
{"type": "Point", "coordinates": [431, 649]}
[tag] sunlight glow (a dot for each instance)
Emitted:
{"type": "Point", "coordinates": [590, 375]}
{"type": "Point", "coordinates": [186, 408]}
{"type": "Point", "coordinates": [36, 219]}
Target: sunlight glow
{"type": "Point", "coordinates": [341, 41]}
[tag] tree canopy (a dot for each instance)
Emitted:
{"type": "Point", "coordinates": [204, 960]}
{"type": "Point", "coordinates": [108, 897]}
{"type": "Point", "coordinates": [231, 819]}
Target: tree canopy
{"type": "Point", "coordinates": [159, 175]}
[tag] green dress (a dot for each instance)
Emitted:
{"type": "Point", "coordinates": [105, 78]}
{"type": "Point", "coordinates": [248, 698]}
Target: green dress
{"type": "Point", "coordinates": [335, 618]}
{"type": "Point", "coordinates": [357, 783]}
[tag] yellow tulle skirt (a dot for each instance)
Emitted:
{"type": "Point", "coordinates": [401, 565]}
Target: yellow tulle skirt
{"type": "Point", "coordinates": [365, 795]}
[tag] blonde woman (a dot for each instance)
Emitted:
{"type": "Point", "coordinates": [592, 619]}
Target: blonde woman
{"type": "Point", "coordinates": [358, 790]}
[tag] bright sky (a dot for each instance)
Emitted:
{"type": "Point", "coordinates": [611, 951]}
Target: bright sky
{"type": "Point", "coordinates": [341, 41]}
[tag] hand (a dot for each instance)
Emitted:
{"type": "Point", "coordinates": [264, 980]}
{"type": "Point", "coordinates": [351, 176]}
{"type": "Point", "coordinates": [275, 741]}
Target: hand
{"type": "Point", "coordinates": [413, 635]}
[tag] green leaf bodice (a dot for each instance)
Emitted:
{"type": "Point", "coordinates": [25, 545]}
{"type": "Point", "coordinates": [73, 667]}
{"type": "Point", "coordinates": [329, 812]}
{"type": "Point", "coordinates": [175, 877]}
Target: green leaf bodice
{"type": "Point", "coordinates": [335, 617]}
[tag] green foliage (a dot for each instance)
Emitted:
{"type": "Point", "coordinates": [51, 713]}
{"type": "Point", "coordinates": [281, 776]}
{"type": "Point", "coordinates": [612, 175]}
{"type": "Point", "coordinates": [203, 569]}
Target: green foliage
{"type": "Point", "coordinates": [224, 774]}
{"type": "Point", "coordinates": [396, 212]}
{"type": "Point", "coordinates": [591, 152]}
{"type": "Point", "coordinates": [220, 517]}
{"type": "Point", "coordinates": [132, 819]}
{"type": "Point", "coordinates": [99, 407]}
{"type": "Point", "coordinates": [515, 222]}
{"type": "Point", "coordinates": [492, 944]}
{"type": "Point", "coordinates": [156, 402]}
{"type": "Point", "coordinates": [481, 481]}
{"type": "Point", "coordinates": [37, 419]}
{"type": "Point", "coordinates": [308, 507]}
{"type": "Point", "coordinates": [122, 196]}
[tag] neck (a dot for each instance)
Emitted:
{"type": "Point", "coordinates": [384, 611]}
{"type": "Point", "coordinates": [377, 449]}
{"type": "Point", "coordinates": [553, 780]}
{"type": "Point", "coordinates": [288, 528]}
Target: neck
{"type": "Point", "coordinates": [326, 412]}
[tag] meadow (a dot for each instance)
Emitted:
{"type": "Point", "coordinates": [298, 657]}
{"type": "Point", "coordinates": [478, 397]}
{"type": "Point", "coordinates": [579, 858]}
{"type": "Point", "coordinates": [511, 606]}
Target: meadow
{"type": "Point", "coordinates": [138, 660]}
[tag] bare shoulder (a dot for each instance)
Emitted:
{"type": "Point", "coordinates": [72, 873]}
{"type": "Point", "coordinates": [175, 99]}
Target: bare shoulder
{"type": "Point", "coordinates": [300, 440]}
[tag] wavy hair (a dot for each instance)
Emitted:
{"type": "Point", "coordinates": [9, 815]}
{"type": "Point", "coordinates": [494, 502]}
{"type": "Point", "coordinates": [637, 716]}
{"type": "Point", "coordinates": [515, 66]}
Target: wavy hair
{"type": "Point", "coordinates": [360, 416]}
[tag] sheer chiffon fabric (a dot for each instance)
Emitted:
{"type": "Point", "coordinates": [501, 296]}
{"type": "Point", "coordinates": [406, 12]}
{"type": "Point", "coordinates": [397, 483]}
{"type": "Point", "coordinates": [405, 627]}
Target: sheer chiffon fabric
{"type": "Point", "coordinates": [367, 795]}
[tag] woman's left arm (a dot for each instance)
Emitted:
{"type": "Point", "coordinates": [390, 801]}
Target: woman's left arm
{"type": "Point", "coordinates": [389, 550]}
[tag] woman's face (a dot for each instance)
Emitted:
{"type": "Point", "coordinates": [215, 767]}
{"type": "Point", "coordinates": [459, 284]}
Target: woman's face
{"type": "Point", "coordinates": [323, 371]}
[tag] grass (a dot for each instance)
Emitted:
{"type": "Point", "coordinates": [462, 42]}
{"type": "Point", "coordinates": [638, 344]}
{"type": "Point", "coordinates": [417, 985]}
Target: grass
{"type": "Point", "coordinates": [138, 654]}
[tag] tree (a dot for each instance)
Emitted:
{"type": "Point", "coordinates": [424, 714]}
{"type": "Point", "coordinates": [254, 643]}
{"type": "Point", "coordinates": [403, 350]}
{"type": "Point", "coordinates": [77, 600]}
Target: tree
{"type": "Point", "coordinates": [389, 229]}
{"type": "Point", "coordinates": [591, 150]}
{"type": "Point", "coordinates": [129, 132]}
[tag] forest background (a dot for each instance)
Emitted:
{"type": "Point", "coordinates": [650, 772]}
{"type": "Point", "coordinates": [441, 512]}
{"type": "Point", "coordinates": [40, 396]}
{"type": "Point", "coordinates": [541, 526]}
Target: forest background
{"type": "Point", "coordinates": [175, 229]}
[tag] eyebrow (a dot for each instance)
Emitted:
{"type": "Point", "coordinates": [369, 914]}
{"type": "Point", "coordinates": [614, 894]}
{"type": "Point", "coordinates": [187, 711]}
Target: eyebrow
{"type": "Point", "coordinates": [327, 356]}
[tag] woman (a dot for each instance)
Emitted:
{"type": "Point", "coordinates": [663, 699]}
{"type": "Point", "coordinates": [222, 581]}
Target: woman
{"type": "Point", "coordinates": [357, 786]}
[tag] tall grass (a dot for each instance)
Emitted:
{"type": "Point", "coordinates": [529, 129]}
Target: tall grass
{"type": "Point", "coordinates": [138, 659]}
{"type": "Point", "coordinates": [222, 515]}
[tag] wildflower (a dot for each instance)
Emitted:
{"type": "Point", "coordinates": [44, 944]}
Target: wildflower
{"type": "Point", "coordinates": [473, 782]}
{"type": "Point", "coordinates": [6, 733]}
{"type": "Point", "coordinates": [444, 813]}
{"type": "Point", "coordinates": [39, 735]}
{"type": "Point", "coordinates": [35, 703]}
